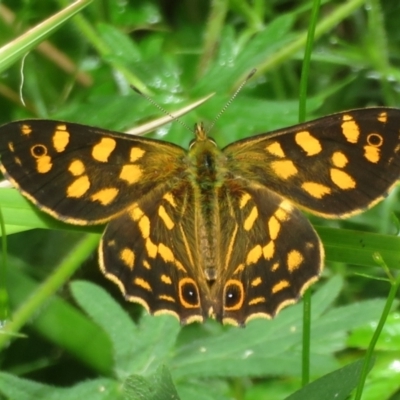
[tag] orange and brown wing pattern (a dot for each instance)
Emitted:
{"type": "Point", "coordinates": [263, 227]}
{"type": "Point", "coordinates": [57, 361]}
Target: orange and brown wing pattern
{"type": "Point", "coordinates": [334, 166]}
{"type": "Point", "coordinates": [270, 254]}
{"type": "Point", "coordinates": [84, 175]}
{"type": "Point", "coordinates": [155, 261]}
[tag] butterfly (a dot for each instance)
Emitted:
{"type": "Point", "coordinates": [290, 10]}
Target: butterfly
{"type": "Point", "coordinates": [207, 232]}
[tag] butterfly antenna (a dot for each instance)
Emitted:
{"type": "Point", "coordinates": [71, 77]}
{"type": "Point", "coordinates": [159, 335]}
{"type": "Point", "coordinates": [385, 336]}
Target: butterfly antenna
{"type": "Point", "coordinates": [163, 110]}
{"type": "Point", "coordinates": [252, 72]}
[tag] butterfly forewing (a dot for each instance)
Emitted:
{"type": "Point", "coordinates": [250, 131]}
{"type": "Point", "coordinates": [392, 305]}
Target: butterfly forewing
{"type": "Point", "coordinates": [334, 166]}
{"type": "Point", "coordinates": [84, 175]}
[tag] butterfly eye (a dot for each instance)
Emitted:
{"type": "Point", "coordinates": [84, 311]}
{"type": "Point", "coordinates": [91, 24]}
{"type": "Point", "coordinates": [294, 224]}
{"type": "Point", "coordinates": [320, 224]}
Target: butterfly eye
{"type": "Point", "coordinates": [233, 295]}
{"type": "Point", "coordinates": [188, 293]}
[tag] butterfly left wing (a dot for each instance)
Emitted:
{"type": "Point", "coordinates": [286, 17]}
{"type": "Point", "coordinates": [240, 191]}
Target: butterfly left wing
{"type": "Point", "coordinates": [84, 175]}
{"type": "Point", "coordinates": [334, 166]}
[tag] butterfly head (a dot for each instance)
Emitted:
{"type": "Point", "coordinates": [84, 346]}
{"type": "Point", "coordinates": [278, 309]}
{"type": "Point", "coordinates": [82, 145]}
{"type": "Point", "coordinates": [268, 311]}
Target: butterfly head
{"type": "Point", "coordinates": [201, 140]}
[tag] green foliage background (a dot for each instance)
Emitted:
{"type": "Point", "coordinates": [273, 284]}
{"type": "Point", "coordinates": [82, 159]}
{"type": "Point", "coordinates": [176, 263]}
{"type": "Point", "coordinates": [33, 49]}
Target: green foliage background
{"type": "Point", "coordinates": [80, 341]}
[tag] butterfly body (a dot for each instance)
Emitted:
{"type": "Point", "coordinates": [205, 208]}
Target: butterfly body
{"type": "Point", "coordinates": [207, 232]}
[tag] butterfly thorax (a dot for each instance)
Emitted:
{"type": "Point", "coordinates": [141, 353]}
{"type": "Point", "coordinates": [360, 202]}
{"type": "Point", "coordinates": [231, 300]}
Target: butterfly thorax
{"type": "Point", "coordinates": [206, 174]}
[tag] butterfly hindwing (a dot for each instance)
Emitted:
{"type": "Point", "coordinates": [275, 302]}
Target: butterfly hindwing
{"type": "Point", "coordinates": [84, 175]}
{"type": "Point", "coordinates": [334, 166]}
{"type": "Point", "coordinates": [155, 260]}
{"type": "Point", "coordinates": [270, 254]}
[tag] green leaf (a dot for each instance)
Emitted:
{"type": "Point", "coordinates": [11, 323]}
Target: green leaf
{"type": "Point", "coordinates": [136, 348]}
{"type": "Point", "coordinates": [22, 389]}
{"type": "Point", "coordinates": [389, 339]}
{"type": "Point", "coordinates": [157, 386]}
{"type": "Point", "coordinates": [337, 385]}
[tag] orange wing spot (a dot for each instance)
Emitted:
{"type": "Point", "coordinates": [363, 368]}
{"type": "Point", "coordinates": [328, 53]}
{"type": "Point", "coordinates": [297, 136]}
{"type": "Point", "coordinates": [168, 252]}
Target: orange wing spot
{"type": "Point", "coordinates": [170, 198]}
{"type": "Point", "coordinates": [162, 213]}
{"type": "Point", "coordinates": [76, 167]}
{"type": "Point", "coordinates": [232, 241]}
{"type": "Point", "coordinates": [165, 253]}
{"type": "Point", "coordinates": [11, 146]}
{"type": "Point", "coordinates": [280, 286]}
{"type": "Point", "coordinates": [26, 130]}
{"type": "Point", "coordinates": [130, 173]}
{"type": "Point", "coordinates": [249, 221]}
{"type": "Point", "coordinates": [256, 282]}
{"type": "Point", "coordinates": [269, 250]}
{"type": "Point", "coordinates": [43, 164]}
{"type": "Point", "coordinates": [284, 169]}
{"type": "Point", "coordinates": [180, 266]}
{"type": "Point", "coordinates": [275, 149]}
{"type": "Point", "coordinates": [382, 117]}
{"type": "Point", "coordinates": [350, 129]}
{"type": "Point", "coordinates": [342, 179]}
{"type": "Point", "coordinates": [339, 160]}
{"type": "Point", "coordinates": [281, 214]}
{"type": "Point", "coordinates": [286, 205]}
{"type": "Point", "coordinates": [244, 200]}
{"type": "Point", "coordinates": [372, 154]}
{"type": "Point", "coordinates": [274, 226]}
{"type": "Point", "coordinates": [111, 243]}
{"type": "Point", "coordinates": [151, 248]}
{"type": "Point", "coordinates": [186, 244]}
{"type": "Point", "coordinates": [257, 300]}
{"type": "Point", "coordinates": [18, 161]}
{"type": "Point", "coordinates": [166, 298]}
{"type": "Point", "coordinates": [239, 268]}
{"type": "Point", "coordinates": [127, 256]}
{"type": "Point", "coordinates": [308, 143]}
{"type": "Point", "coordinates": [144, 226]}
{"type": "Point", "coordinates": [254, 255]}
{"type": "Point", "coordinates": [166, 279]}
{"type": "Point", "coordinates": [136, 213]}
{"type": "Point", "coordinates": [60, 138]}
{"type": "Point", "coordinates": [105, 196]}
{"type": "Point", "coordinates": [146, 265]}
{"type": "Point", "coordinates": [316, 190]}
{"type": "Point", "coordinates": [294, 260]}
{"type": "Point", "coordinates": [275, 266]}
{"type": "Point", "coordinates": [102, 150]}
{"type": "Point", "coordinates": [143, 284]}
{"type": "Point", "coordinates": [136, 154]}
{"type": "Point", "coordinates": [79, 187]}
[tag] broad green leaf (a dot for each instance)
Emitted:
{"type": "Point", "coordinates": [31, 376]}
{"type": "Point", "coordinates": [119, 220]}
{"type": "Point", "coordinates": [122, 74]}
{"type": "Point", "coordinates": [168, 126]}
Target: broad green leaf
{"type": "Point", "coordinates": [157, 386]}
{"type": "Point", "coordinates": [337, 385]}
{"type": "Point", "coordinates": [23, 389]}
